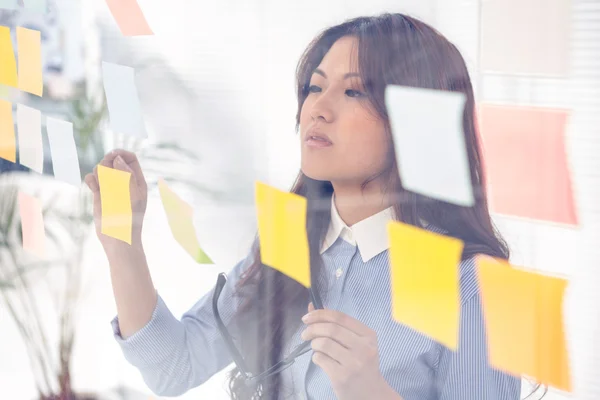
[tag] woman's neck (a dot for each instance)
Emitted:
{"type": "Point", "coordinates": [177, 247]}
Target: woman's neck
{"type": "Point", "coordinates": [354, 204]}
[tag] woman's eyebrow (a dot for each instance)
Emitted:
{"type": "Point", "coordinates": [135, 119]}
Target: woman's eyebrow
{"type": "Point", "coordinates": [346, 76]}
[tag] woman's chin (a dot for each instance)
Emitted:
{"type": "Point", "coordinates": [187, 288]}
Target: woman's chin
{"type": "Point", "coordinates": [316, 174]}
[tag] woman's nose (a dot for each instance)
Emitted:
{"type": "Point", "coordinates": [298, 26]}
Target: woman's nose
{"type": "Point", "coordinates": [321, 110]}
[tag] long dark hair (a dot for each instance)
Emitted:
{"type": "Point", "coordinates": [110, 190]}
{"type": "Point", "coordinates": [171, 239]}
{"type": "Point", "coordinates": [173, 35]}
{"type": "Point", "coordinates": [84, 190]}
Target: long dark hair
{"type": "Point", "coordinates": [392, 49]}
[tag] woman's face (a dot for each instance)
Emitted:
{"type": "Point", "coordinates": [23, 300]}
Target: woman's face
{"type": "Point", "coordinates": [342, 138]}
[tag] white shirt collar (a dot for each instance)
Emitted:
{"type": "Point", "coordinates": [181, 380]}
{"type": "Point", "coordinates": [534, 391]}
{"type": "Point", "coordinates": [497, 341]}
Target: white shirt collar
{"type": "Point", "coordinates": [370, 234]}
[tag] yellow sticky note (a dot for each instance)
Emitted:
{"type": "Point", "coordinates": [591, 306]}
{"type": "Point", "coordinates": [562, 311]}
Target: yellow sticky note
{"type": "Point", "coordinates": [8, 64]}
{"type": "Point", "coordinates": [180, 217]}
{"type": "Point", "coordinates": [115, 196]}
{"type": "Point", "coordinates": [282, 232]}
{"type": "Point", "coordinates": [8, 140]}
{"type": "Point", "coordinates": [425, 281]}
{"type": "Point", "coordinates": [32, 224]}
{"type": "Point", "coordinates": [524, 322]}
{"type": "Point", "coordinates": [29, 49]}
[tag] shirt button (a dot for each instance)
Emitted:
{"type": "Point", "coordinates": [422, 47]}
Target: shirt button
{"type": "Point", "coordinates": [338, 273]}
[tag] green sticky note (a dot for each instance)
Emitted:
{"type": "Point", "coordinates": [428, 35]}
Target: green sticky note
{"type": "Point", "coordinates": [180, 216]}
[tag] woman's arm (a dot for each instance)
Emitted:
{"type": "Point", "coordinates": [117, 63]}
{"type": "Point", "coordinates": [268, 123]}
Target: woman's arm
{"type": "Point", "coordinates": [134, 292]}
{"type": "Point", "coordinates": [175, 355]}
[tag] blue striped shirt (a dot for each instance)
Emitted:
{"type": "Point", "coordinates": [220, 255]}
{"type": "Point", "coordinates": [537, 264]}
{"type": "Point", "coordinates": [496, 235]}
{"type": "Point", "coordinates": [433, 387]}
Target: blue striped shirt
{"type": "Point", "coordinates": [174, 355]}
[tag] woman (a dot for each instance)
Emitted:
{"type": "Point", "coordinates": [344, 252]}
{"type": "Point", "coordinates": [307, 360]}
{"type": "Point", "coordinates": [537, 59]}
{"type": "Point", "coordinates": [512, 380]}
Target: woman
{"type": "Point", "coordinates": [350, 179]}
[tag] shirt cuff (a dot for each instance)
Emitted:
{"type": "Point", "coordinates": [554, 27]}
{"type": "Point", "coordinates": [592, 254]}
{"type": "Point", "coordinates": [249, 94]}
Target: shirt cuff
{"type": "Point", "coordinates": [153, 343]}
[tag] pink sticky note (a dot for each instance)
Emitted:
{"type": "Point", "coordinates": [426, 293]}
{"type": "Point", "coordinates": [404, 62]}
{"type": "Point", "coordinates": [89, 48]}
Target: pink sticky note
{"type": "Point", "coordinates": [32, 223]}
{"type": "Point", "coordinates": [526, 162]}
{"type": "Point", "coordinates": [129, 17]}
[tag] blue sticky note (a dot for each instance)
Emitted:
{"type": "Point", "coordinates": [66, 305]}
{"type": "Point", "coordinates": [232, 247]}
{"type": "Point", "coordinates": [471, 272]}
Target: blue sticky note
{"type": "Point", "coordinates": [124, 109]}
{"type": "Point", "coordinates": [40, 6]}
{"type": "Point", "coordinates": [9, 4]}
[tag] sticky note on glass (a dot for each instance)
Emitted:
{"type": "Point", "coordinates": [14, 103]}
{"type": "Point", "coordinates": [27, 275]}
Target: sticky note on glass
{"type": "Point", "coordinates": [29, 49]}
{"type": "Point", "coordinates": [115, 198]}
{"type": "Point", "coordinates": [282, 232]}
{"type": "Point", "coordinates": [536, 183]}
{"type": "Point", "coordinates": [40, 6]}
{"type": "Point", "coordinates": [8, 63]}
{"type": "Point", "coordinates": [29, 128]}
{"type": "Point", "coordinates": [129, 17]}
{"type": "Point", "coordinates": [427, 124]}
{"type": "Point", "coordinates": [122, 99]}
{"type": "Point", "coordinates": [538, 41]}
{"type": "Point", "coordinates": [32, 224]}
{"type": "Point", "coordinates": [8, 139]}
{"type": "Point", "coordinates": [65, 161]}
{"type": "Point", "coordinates": [8, 5]}
{"type": "Point", "coordinates": [180, 217]}
{"type": "Point", "coordinates": [524, 322]}
{"type": "Point", "coordinates": [425, 281]}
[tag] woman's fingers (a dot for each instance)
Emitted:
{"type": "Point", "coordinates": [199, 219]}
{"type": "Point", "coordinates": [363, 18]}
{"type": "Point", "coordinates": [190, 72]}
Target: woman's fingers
{"type": "Point", "coordinates": [120, 164]}
{"type": "Point", "coordinates": [130, 160]}
{"type": "Point", "coordinates": [92, 182]}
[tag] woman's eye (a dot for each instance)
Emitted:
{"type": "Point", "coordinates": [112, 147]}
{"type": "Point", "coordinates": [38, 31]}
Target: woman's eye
{"type": "Point", "coordinates": [354, 93]}
{"type": "Point", "coordinates": [313, 89]}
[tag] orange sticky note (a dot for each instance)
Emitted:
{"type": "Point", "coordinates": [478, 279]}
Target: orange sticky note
{"type": "Point", "coordinates": [8, 140]}
{"type": "Point", "coordinates": [32, 224]}
{"type": "Point", "coordinates": [115, 196]}
{"type": "Point", "coordinates": [425, 281]}
{"type": "Point", "coordinates": [180, 216]}
{"type": "Point", "coordinates": [129, 17]}
{"type": "Point", "coordinates": [524, 322]}
{"type": "Point", "coordinates": [282, 232]}
{"type": "Point", "coordinates": [29, 48]}
{"type": "Point", "coordinates": [8, 64]}
{"type": "Point", "coordinates": [526, 162]}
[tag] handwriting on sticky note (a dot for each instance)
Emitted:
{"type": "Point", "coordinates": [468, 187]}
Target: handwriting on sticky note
{"type": "Point", "coordinates": [129, 17]}
{"type": "Point", "coordinates": [525, 330]}
{"type": "Point", "coordinates": [29, 48]}
{"type": "Point", "coordinates": [180, 217]}
{"type": "Point", "coordinates": [122, 99]}
{"type": "Point", "coordinates": [428, 123]}
{"type": "Point", "coordinates": [425, 281]}
{"type": "Point", "coordinates": [29, 127]}
{"type": "Point", "coordinates": [282, 232]}
{"type": "Point", "coordinates": [115, 198]}
{"type": "Point", "coordinates": [32, 224]}
{"type": "Point", "coordinates": [8, 63]}
{"type": "Point", "coordinates": [65, 161]}
{"type": "Point", "coordinates": [8, 139]}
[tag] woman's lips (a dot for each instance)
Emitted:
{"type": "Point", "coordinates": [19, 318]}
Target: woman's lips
{"type": "Point", "coordinates": [315, 141]}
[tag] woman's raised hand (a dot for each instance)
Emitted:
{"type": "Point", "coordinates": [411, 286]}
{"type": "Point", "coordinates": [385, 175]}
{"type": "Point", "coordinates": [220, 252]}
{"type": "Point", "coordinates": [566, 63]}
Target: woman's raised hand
{"type": "Point", "coordinates": [124, 161]}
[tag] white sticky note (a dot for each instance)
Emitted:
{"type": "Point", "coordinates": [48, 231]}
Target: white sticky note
{"type": "Point", "coordinates": [429, 141]}
{"type": "Point", "coordinates": [124, 109]}
{"type": "Point", "coordinates": [9, 4]}
{"type": "Point", "coordinates": [40, 6]}
{"type": "Point", "coordinates": [29, 128]}
{"type": "Point", "coordinates": [538, 41]}
{"type": "Point", "coordinates": [65, 161]}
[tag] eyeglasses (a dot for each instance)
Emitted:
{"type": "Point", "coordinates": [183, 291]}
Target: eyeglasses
{"type": "Point", "coordinates": [236, 355]}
